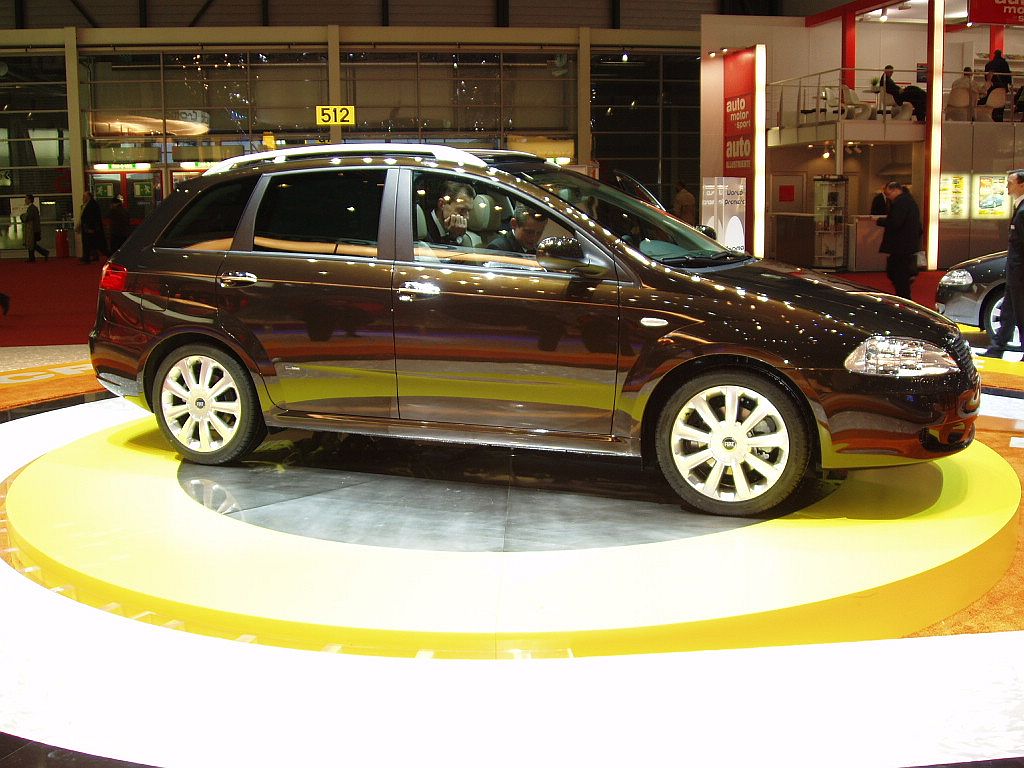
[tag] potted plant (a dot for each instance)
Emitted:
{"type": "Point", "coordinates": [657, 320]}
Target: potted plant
{"type": "Point", "coordinates": [875, 87]}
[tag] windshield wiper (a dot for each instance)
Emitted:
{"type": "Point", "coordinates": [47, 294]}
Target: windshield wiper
{"type": "Point", "coordinates": [706, 255]}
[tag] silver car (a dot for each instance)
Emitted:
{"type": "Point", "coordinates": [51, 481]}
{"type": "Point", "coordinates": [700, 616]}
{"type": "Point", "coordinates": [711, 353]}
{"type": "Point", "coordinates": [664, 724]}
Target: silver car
{"type": "Point", "coordinates": [971, 293]}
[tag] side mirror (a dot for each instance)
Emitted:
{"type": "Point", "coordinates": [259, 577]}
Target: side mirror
{"type": "Point", "coordinates": [707, 231]}
{"type": "Point", "coordinates": [565, 254]}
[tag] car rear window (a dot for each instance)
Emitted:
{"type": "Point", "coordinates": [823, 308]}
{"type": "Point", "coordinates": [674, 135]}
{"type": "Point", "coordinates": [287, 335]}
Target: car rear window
{"type": "Point", "coordinates": [332, 212]}
{"type": "Point", "coordinates": [209, 222]}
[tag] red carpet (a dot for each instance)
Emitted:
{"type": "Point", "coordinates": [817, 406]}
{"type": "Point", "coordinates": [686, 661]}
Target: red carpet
{"type": "Point", "coordinates": [52, 302]}
{"type": "Point", "coordinates": [922, 289]}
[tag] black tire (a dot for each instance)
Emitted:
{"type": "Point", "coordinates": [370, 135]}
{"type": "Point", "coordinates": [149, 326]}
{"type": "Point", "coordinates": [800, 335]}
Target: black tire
{"type": "Point", "coordinates": [206, 405]}
{"type": "Point", "coordinates": [990, 313]}
{"type": "Point", "coordinates": [713, 466]}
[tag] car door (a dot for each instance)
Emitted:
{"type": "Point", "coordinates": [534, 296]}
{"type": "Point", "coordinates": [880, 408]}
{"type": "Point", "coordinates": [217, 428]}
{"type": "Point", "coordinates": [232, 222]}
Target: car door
{"type": "Point", "coordinates": [310, 288]}
{"type": "Point", "coordinates": [484, 335]}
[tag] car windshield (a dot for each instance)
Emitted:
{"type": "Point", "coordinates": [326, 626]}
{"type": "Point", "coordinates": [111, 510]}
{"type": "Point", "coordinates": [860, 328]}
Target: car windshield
{"type": "Point", "coordinates": [654, 233]}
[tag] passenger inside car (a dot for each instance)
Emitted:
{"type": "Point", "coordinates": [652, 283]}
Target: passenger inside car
{"type": "Point", "coordinates": [526, 227]}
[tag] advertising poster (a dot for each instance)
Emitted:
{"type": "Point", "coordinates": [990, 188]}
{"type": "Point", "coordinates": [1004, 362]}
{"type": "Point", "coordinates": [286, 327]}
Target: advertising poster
{"type": "Point", "coordinates": [738, 146]}
{"type": "Point", "coordinates": [954, 196]}
{"type": "Point", "coordinates": [991, 199]}
{"type": "Point", "coordinates": [723, 207]}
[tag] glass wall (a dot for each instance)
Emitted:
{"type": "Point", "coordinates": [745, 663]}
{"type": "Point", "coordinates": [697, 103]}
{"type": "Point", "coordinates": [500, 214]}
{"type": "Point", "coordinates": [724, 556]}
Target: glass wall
{"type": "Point", "coordinates": [645, 116]}
{"type": "Point", "coordinates": [34, 150]}
{"type": "Point", "coordinates": [484, 99]}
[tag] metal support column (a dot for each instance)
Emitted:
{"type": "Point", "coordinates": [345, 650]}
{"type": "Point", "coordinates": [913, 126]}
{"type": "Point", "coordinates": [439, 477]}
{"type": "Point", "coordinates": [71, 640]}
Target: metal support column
{"type": "Point", "coordinates": [77, 140]}
{"type": "Point", "coordinates": [584, 139]}
{"type": "Point", "coordinates": [334, 74]}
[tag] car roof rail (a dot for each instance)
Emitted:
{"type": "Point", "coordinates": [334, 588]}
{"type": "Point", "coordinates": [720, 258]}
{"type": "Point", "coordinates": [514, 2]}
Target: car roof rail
{"type": "Point", "coordinates": [311, 151]}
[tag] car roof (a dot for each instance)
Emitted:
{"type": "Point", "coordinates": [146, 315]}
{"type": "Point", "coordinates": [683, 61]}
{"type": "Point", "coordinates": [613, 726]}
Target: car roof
{"type": "Point", "coordinates": [480, 158]}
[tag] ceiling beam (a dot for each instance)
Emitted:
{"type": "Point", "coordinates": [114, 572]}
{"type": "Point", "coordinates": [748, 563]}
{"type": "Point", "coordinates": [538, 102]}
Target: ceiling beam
{"type": "Point", "coordinates": [201, 12]}
{"type": "Point", "coordinates": [85, 14]}
{"type": "Point", "coordinates": [856, 7]}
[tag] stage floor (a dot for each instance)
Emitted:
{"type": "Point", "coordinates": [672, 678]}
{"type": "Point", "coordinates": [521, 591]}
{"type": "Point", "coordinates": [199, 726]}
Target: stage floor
{"type": "Point", "coordinates": [94, 681]}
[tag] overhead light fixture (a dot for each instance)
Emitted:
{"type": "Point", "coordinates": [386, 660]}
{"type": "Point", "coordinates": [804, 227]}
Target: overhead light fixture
{"type": "Point", "coordinates": [711, 54]}
{"type": "Point", "coordinates": [970, 23]}
{"type": "Point", "coordinates": [885, 15]}
{"type": "Point", "coordinates": [826, 155]}
{"type": "Point", "coordinates": [725, 50]}
{"type": "Point", "coordinates": [625, 56]}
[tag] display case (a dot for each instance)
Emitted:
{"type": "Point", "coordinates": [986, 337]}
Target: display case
{"type": "Point", "coordinates": [991, 197]}
{"type": "Point", "coordinates": [830, 231]}
{"type": "Point", "coordinates": [954, 196]}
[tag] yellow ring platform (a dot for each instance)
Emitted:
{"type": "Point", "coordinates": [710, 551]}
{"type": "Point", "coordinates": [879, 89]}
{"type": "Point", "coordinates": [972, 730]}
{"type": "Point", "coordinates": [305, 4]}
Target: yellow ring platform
{"type": "Point", "coordinates": [104, 521]}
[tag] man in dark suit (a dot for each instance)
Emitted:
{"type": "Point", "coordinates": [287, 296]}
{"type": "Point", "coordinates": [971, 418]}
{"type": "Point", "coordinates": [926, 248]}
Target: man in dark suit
{"type": "Point", "coordinates": [449, 219]}
{"type": "Point", "coordinates": [524, 232]}
{"type": "Point", "coordinates": [902, 238]}
{"type": "Point", "coordinates": [1012, 315]}
{"type": "Point", "coordinates": [887, 84]}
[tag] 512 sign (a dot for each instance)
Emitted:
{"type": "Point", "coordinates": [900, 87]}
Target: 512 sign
{"type": "Point", "coordinates": [335, 115]}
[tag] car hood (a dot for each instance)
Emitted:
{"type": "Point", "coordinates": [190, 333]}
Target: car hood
{"type": "Point", "coordinates": [979, 261]}
{"type": "Point", "coordinates": [831, 297]}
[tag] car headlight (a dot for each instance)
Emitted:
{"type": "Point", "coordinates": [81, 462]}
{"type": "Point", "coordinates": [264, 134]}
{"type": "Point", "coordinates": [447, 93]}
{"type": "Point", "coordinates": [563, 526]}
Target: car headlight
{"type": "Point", "coordinates": [957, 277]}
{"type": "Point", "coordinates": [897, 356]}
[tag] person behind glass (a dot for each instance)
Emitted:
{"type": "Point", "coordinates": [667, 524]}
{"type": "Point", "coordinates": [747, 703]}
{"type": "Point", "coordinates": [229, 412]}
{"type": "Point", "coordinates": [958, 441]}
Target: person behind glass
{"type": "Point", "coordinates": [1012, 314]}
{"type": "Point", "coordinates": [447, 223]}
{"type": "Point", "coordinates": [684, 204]}
{"type": "Point", "coordinates": [997, 72]}
{"type": "Point", "coordinates": [90, 224]}
{"type": "Point", "coordinates": [117, 215]}
{"type": "Point", "coordinates": [902, 238]}
{"type": "Point", "coordinates": [524, 232]}
{"type": "Point", "coordinates": [888, 85]}
{"type": "Point", "coordinates": [33, 230]}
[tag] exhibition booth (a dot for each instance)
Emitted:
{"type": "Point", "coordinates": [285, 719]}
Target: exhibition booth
{"type": "Point", "coordinates": [834, 137]}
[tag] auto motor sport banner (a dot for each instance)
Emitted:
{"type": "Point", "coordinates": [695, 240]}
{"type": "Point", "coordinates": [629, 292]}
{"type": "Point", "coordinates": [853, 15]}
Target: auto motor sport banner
{"type": "Point", "coordinates": [738, 90]}
{"type": "Point", "coordinates": [996, 12]}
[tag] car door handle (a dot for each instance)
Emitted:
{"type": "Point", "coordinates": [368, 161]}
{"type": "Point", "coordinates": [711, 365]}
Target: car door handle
{"type": "Point", "coordinates": [232, 279]}
{"type": "Point", "coordinates": [417, 291]}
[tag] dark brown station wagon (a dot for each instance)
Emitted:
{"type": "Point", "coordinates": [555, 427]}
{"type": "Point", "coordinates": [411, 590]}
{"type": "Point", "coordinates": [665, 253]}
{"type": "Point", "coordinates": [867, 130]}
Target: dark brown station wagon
{"type": "Point", "coordinates": [430, 293]}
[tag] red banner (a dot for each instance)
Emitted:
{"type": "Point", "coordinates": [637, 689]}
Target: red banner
{"type": "Point", "coordinates": [1007, 12]}
{"type": "Point", "coordinates": [738, 89]}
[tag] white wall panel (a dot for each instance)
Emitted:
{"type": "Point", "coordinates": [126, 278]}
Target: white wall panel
{"type": "Point", "coordinates": [568, 13]}
{"type": "Point", "coordinates": [416, 13]}
{"type": "Point", "coordinates": [664, 14]}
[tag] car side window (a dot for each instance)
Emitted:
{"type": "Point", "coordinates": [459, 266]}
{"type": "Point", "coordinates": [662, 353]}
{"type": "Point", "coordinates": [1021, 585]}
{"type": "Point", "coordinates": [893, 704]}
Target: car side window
{"type": "Point", "coordinates": [209, 221]}
{"type": "Point", "coordinates": [332, 212]}
{"type": "Point", "coordinates": [476, 223]}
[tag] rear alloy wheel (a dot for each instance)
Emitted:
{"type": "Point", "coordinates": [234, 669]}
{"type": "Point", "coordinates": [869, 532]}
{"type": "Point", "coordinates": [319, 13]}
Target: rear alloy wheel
{"type": "Point", "coordinates": [732, 443]}
{"type": "Point", "coordinates": [206, 406]}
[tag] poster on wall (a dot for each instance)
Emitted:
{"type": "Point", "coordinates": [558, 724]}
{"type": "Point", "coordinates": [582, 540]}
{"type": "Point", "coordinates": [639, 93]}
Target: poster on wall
{"type": "Point", "coordinates": [723, 207]}
{"type": "Point", "coordinates": [954, 196]}
{"type": "Point", "coordinates": [991, 198]}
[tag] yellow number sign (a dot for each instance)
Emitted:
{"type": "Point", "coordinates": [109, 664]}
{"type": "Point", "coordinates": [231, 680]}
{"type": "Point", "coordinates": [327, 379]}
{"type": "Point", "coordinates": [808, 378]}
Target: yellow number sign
{"type": "Point", "coordinates": [335, 115]}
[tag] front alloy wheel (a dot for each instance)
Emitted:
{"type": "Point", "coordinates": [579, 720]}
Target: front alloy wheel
{"type": "Point", "coordinates": [992, 318]}
{"type": "Point", "coordinates": [732, 443]}
{"type": "Point", "coordinates": [206, 406]}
